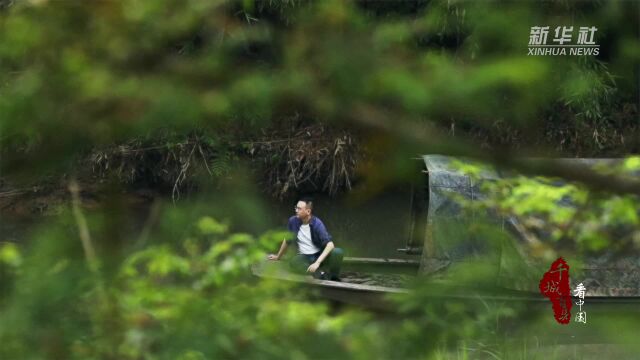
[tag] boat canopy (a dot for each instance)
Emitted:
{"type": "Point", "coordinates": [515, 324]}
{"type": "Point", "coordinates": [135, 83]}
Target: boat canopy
{"type": "Point", "coordinates": [453, 235]}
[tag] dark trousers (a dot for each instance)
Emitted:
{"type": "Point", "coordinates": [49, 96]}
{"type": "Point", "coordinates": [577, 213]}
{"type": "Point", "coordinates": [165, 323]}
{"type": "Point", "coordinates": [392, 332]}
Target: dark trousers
{"type": "Point", "coordinates": [331, 263]}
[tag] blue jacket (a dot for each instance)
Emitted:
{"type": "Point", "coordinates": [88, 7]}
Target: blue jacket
{"type": "Point", "coordinates": [319, 234]}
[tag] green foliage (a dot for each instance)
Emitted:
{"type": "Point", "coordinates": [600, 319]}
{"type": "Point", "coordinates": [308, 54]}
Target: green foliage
{"type": "Point", "coordinates": [220, 166]}
{"type": "Point", "coordinates": [210, 226]}
{"type": "Point", "coordinates": [591, 92]}
{"type": "Point", "coordinates": [122, 69]}
{"type": "Point", "coordinates": [560, 215]}
{"type": "Point", "coordinates": [169, 301]}
{"type": "Point", "coordinates": [10, 255]}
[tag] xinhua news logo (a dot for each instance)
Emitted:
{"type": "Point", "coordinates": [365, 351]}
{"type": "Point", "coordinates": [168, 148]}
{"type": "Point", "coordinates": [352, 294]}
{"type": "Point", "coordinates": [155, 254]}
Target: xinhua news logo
{"type": "Point", "coordinates": [562, 42]}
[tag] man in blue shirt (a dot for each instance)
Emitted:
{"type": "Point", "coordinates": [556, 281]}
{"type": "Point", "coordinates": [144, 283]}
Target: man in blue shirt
{"type": "Point", "coordinates": [315, 247]}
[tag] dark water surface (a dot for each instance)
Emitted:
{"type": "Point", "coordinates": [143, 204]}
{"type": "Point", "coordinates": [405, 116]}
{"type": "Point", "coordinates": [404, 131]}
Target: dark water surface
{"type": "Point", "coordinates": [374, 227]}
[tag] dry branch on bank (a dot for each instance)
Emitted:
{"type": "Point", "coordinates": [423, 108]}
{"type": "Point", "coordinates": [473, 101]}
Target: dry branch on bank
{"type": "Point", "coordinates": [312, 157]}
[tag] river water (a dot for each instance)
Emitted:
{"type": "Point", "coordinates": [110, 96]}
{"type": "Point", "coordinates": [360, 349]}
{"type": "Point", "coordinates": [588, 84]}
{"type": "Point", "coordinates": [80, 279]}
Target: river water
{"type": "Point", "coordinates": [374, 227]}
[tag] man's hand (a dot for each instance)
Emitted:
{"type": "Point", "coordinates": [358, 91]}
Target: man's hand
{"type": "Point", "coordinates": [283, 248]}
{"type": "Point", "coordinates": [313, 267]}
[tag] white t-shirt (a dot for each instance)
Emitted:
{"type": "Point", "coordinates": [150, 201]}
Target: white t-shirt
{"type": "Point", "coordinates": [305, 245]}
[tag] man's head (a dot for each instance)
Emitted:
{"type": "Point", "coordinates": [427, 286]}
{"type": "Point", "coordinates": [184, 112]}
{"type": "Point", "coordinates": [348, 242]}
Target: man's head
{"type": "Point", "coordinates": [303, 209]}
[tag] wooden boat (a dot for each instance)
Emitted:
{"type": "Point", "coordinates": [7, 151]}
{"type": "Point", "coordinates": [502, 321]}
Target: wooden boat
{"type": "Point", "coordinates": [357, 287]}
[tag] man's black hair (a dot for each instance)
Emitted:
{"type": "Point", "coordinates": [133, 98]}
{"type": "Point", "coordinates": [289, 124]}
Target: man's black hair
{"type": "Point", "coordinates": [308, 201]}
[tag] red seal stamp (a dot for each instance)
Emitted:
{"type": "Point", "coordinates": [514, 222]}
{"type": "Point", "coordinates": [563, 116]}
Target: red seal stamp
{"type": "Point", "coordinates": [555, 285]}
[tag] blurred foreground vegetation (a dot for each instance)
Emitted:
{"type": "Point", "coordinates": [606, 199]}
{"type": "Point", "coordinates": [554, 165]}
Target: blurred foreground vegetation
{"type": "Point", "coordinates": [215, 102]}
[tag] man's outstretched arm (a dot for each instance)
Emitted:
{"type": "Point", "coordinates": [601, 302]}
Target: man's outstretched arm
{"type": "Point", "coordinates": [327, 250]}
{"type": "Point", "coordinates": [283, 249]}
